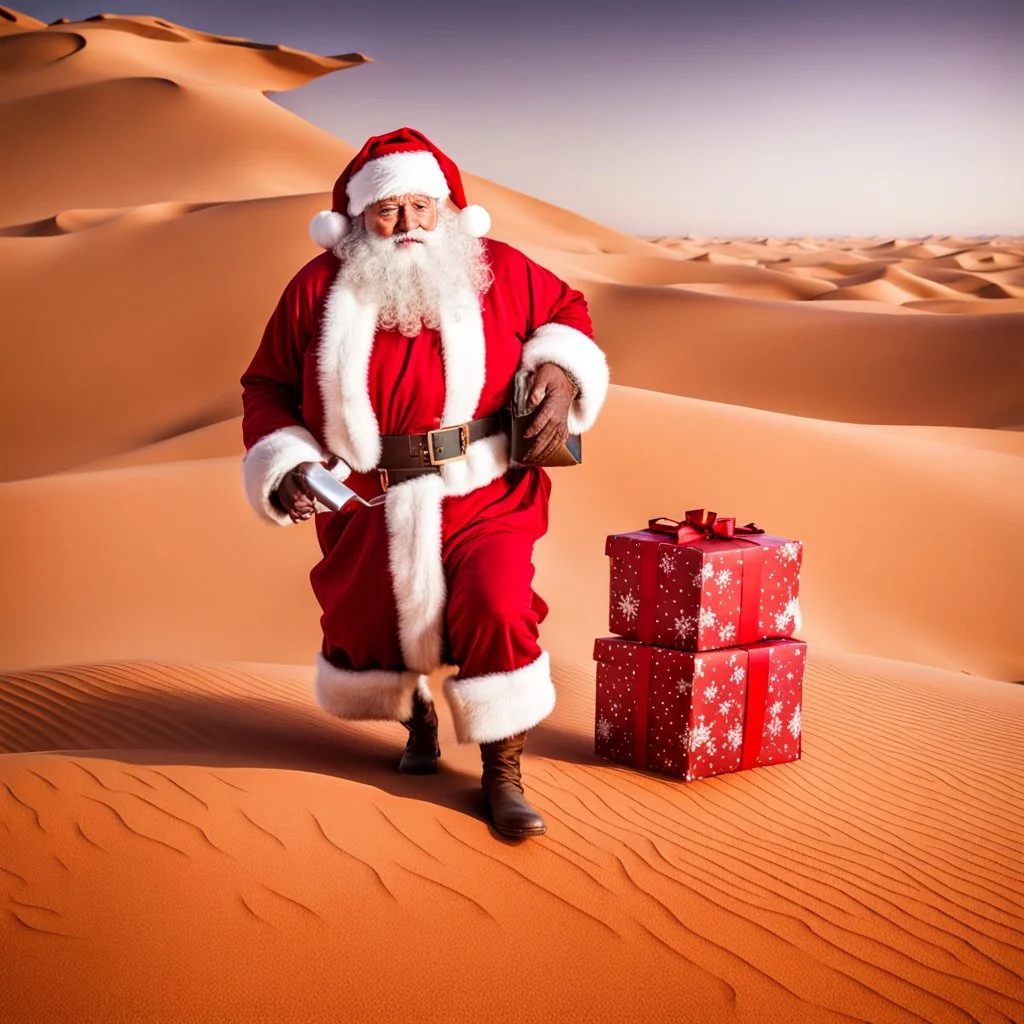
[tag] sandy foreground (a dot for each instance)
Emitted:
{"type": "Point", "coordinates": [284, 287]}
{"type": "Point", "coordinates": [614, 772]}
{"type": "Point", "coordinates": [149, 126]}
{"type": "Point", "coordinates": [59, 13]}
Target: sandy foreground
{"type": "Point", "coordinates": [185, 835]}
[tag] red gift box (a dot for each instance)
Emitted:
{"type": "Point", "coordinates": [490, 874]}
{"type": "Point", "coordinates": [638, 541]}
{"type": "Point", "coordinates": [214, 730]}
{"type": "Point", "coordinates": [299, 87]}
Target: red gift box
{"type": "Point", "coordinates": [703, 583]}
{"type": "Point", "coordinates": [691, 715]}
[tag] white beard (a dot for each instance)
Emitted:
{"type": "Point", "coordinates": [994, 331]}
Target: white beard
{"type": "Point", "coordinates": [409, 284]}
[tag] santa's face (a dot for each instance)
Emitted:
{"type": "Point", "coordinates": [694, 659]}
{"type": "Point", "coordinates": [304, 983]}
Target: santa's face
{"type": "Point", "coordinates": [409, 258]}
{"type": "Point", "coordinates": [398, 215]}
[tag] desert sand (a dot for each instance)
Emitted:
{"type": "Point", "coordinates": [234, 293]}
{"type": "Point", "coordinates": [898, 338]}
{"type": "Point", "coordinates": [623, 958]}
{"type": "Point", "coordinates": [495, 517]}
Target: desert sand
{"type": "Point", "coordinates": [186, 835]}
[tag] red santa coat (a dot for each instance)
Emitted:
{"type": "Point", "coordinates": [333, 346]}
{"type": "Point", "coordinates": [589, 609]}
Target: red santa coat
{"type": "Point", "coordinates": [441, 573]}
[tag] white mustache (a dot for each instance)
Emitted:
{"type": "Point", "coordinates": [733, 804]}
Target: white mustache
{"type": "Point", "coordinates": [418, 234]}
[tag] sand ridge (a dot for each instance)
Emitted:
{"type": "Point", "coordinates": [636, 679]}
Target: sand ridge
{"type": "Point", "coordinates": [838, 888]}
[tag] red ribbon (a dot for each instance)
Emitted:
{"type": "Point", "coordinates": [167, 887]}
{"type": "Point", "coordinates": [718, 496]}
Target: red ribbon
{"type": "Point", "coordinates": [757, 701]}
{"type": "Point", "coordinates": [700, 524]}
{"type": "Point", "coordinates": [755, 710]}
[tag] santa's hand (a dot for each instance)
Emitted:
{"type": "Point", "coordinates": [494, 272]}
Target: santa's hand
{"type": "Point", "coordinates": [294, 494]}
{"type": "Point", "coordinates": [552, 390]}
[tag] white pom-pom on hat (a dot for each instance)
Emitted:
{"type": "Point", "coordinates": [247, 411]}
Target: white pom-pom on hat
{"type": "Point", "coordinates": [328, 228]}
{"type": "Point", "coordinates": [475, 221]}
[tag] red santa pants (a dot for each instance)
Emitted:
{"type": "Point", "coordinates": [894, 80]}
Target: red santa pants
{"type": "Point", "coordinates": [489, 625]}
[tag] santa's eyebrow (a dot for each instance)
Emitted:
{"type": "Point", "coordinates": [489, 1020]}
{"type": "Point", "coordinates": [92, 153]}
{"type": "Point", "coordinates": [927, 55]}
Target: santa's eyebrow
{"type": "Point", "coordinates": [407, 198]}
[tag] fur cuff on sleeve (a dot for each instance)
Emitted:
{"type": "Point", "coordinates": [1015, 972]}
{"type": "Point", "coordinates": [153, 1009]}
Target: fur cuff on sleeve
{"type": "Point", "coordinates": [271, 458]}
{"type": "Point", "coordinates": [580, 357]}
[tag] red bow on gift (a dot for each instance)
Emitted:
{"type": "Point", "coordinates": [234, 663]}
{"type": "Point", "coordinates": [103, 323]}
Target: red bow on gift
{"type": "Point", "coordinates": [700, 523]}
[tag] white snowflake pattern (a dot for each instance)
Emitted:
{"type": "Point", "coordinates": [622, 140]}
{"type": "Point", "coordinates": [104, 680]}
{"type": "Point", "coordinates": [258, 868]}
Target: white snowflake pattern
{"type": "Point", "coordinates": [734, 737]}
{"type": "Point", "coordinates": [790, 551]}
{"type": "Point", "coordinates": [707, 571]}
{"type": "Point", "coordinates": [794, 722]}
{"type": "Point", "coordinates": [774, 726]}
{"type": "Point", "coordinates": [684, 686]}
{"type": "Point", "coordinates": [628, 605]}
{"type": "Point", "coordinates": [723, 577]}
{"type": "Point", "coordinates": [725, 707]}
{"type": "Point", "coordinates": [668, 563]}
{"type": "Point", "coordinates": [707, 618]}
{"type": "Point", "coordinates": [738, 674]}
{"type": "Point", "coordinates": [775, 708]}
{"type": "Point", "coordinates": [698, 668]}
{"type": "Point", "coordinates": [700, 735]}
{"type": "Point", "coordinates": [604, 728]}
{"type": "Point", "coordinates": [711, 692]}
{"type": "Point", "coordinates": [787, 615]}
{"type": "Point", "coordinates": [685, 625]}
{"type": "Point", "coordinates": [727, 632]}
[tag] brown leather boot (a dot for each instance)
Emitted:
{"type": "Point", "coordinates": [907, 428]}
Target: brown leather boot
{"type": "Point", "coordinates": [503, 789]}
{"type": "Point", "coordinates": [421, 749]}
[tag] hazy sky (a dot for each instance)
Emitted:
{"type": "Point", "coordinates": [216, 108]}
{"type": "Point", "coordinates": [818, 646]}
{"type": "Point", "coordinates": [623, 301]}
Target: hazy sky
{"type": "Point", "coordinates": [669, 116]}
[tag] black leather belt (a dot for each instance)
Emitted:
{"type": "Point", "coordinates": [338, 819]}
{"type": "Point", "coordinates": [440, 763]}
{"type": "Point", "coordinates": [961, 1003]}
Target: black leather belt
{"type": "Point", "coordinates": [407, 455]}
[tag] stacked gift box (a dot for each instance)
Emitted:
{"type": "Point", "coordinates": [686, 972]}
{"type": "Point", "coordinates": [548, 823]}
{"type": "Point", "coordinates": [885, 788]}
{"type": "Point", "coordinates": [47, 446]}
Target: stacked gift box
{"type": "Point", "coordinates": [705, 675]}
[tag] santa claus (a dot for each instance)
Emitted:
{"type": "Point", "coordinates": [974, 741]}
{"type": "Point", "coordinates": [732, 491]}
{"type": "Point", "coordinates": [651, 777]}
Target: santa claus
{"type": "Point", "coordinates": [390, 358]}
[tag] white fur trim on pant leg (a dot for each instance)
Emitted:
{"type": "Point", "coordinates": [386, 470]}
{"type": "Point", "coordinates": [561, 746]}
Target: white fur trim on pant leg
{"type": "Point", "coordinates": [501, 704]}
{"type": "Point", "coordinates": [412, 515]}
{"type": "Point", "coordinates": [396, 174]}
{"type": "Point", "coordinates": [268, 461]}
{"type": "Point", "coordinates": [579, 355]}
{"type": "Point", "coordinates": [372, 694]}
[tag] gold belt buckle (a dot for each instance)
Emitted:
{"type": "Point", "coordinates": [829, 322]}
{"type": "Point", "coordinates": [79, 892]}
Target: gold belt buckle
{"type": "Point", "coordinates": [383, 474]}
{"type": "Point", "coordinates": [463, 441]}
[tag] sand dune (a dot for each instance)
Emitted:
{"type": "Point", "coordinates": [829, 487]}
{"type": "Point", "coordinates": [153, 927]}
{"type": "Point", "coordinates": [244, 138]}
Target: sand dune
{"type": "Point", "coordinates": [882, 888]}
{"type": "Point", "coordinates": [134, 540]}
{"type": "Point", "coordinates": [13, 22]}
{"type": "Point", "coordinates": [809, 360]}
{"type": "Point", "coordinates": [173, 804]}
{"type": "Point", "coordinates": [122, 232]}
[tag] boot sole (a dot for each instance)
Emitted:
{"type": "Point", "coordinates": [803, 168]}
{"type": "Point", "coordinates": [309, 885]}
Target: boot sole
{"type": "Point", "coordinates": [519, 833]}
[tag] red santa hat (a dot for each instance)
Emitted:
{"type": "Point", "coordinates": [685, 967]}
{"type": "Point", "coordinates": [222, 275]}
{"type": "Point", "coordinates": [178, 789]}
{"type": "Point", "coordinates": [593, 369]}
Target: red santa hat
{"type": "Point", "coordinates": [399, 163]}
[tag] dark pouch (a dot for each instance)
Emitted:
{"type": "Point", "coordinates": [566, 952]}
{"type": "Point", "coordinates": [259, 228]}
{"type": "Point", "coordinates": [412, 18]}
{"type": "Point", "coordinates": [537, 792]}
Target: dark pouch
{"type": "Point", "coordinates": [569, 453]}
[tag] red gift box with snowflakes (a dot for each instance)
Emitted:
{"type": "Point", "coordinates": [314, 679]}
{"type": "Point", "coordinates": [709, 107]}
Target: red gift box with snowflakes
{"type": "Point", "coordinates": [703, 583]}
{"type": "Point", "coordinates": [695, 714]}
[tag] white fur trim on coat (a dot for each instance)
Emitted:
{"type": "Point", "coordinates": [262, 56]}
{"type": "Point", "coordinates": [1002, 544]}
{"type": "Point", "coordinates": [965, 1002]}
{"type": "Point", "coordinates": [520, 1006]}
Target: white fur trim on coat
{"type": "Point", "coordinates": [375, 694]}
{"type": "Point", "coordinates": [486, 460]}
{"type": "Point", "coordinates": [271, 458]}
{"type": "Point", "coordinates": [396, 174]}
{"type": "Point", "coordinates": [343, 365]}
{"type": "Point", "coordinates": [501, 704]}
{"type": "Point", "coordinates": [579, 355]}
{"type": "Point", "coordinates": [412, 515]}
